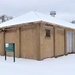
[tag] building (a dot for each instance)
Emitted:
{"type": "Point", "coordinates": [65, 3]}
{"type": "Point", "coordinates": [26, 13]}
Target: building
{"type": "Point", "coordinates": [38, 36]}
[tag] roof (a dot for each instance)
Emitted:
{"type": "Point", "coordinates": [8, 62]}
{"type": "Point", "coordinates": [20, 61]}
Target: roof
{"type": "Point", "coordinates": [35, 16]}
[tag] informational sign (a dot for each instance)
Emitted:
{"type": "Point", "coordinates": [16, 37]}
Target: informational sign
{"type": "Point", "coordinates": [10, 47]}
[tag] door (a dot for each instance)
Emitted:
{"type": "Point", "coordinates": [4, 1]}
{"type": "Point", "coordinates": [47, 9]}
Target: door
{"type": "Point", "coordinates": [69, 42]}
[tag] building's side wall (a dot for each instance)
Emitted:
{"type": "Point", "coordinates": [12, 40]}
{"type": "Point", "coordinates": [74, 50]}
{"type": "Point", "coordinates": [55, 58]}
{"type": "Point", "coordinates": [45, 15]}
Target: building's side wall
{"type": "Point", "coordinates": [26, 39]}
{"type": "Point", "coordinates": [59, 41]}
{"type": "Point", "coordinates": [29, 39]}
{"type": "Point", "coordinates": [46, 43]}
{"type": "Point", "coordinates": [1, 43]}
{"type": "Point", "coordinates": [66, 40]}
{"type": "Point", "coordinates": [10, 37]}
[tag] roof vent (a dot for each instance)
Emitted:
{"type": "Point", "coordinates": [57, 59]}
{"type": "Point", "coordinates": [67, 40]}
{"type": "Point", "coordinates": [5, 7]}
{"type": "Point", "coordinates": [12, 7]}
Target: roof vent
{"type": "Point", "coordinates": [53, 13]}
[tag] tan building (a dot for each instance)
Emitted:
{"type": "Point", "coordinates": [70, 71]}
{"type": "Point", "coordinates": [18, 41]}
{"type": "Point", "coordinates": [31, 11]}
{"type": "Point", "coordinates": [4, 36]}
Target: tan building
{"type": "Point", "coordinates": [38, 36]}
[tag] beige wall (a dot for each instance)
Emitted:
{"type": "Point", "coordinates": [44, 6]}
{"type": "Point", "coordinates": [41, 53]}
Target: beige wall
{"type": "Point", "coordinates": [1, 43]}
{"type": "Point", "coordinates": [29, 43]}
{"type": "Point", "coordinates": [46, 43]}
{"type": "Point", "coordinates": [59, 41]}
{"type": "Point", "coordinates": [26, 41]}
{"type": "Point", "coordinates": [11, 37]}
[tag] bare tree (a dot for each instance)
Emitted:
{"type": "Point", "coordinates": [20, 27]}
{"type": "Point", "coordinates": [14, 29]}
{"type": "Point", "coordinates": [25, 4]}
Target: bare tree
{"type": "Point", "coordinates": [73, 21]}
{"type": "Point", "coordinates": [4, 18]}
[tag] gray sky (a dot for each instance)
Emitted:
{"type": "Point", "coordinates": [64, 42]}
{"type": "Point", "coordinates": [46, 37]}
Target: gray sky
{"type": "Point", "coordinates": [65, 9]}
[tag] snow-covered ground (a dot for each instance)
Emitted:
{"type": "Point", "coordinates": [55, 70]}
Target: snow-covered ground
{"type": "Point", "coordinates": [64, 65]}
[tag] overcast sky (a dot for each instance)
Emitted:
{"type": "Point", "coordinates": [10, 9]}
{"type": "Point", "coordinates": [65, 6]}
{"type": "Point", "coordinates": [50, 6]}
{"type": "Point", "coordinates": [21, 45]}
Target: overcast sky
{"type": "Point", "coordinates": [65, 9]}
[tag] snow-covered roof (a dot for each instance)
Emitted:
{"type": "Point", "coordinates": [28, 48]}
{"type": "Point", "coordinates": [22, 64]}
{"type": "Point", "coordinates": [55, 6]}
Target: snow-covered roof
{"type": "Point", "coordinates": [35, 16]}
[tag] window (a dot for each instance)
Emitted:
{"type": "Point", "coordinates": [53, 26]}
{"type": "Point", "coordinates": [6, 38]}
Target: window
{"type": "Point", "coordinates": [47, 33]}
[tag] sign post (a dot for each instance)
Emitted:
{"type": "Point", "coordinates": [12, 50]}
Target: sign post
{"type": "Point", "coordinates": [10, 47]}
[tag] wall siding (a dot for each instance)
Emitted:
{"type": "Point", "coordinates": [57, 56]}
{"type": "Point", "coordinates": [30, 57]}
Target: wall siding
{"type": "Point", "coordinates": [1, 43]}
{"type": "Point", "coordinates": [29, 43]}
{"type": "Point", "coordinates": [59, 41]}
{"type": "Point", "coordinates": [46, 43]}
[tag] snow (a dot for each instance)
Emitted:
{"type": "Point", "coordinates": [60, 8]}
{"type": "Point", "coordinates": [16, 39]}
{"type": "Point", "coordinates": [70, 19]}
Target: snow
{"type": "Point", "coordinates": [64, 65]}
{"type": "Point", "coordinates": [35, 16]}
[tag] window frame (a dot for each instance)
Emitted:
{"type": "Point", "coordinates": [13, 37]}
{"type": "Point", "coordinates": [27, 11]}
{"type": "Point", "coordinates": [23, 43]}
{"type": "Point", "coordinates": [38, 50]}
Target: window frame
{"type": "Point", "coordinates": [47, 33]}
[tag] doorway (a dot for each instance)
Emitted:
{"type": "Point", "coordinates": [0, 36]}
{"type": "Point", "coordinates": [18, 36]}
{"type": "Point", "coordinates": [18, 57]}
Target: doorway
{"type": "Point", "coordinates": [70, 43]}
